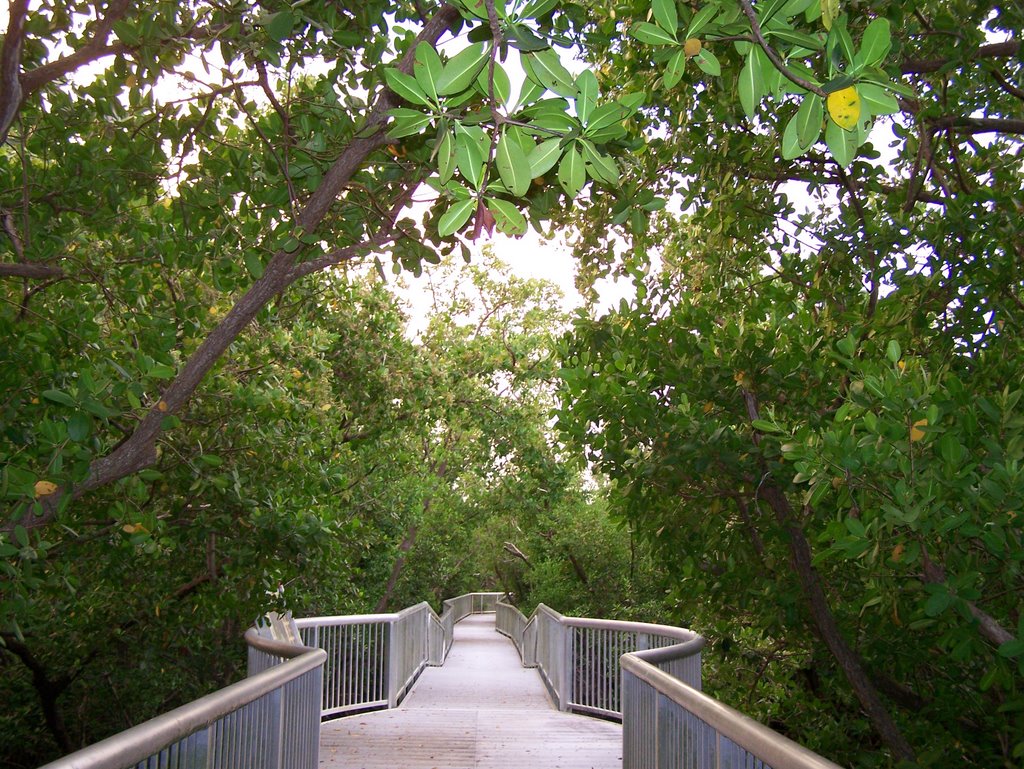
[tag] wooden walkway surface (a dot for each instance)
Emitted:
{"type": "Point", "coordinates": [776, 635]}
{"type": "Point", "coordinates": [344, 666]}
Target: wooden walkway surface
{"type": "Point", "coordinates": [481, 710]}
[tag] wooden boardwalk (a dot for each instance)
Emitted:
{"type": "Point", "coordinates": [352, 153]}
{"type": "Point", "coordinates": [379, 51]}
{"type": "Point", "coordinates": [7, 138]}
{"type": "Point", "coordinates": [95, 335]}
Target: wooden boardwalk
{"type": "Point", "coordinates": [482, 710]}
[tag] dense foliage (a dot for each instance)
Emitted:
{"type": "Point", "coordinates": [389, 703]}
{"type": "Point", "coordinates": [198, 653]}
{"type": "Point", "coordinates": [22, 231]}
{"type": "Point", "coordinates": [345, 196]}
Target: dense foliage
{"type": "Point", "coordinates": [811, 409]}
{"type": "Point", "coordinates": [809, 416]}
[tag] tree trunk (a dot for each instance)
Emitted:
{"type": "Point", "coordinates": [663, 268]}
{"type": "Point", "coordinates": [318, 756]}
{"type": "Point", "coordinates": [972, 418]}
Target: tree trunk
{"type": "Point", "coordinates": [398, 565]}
{"type": "Point", "coordinates": [821, 615]}
{"type": "Point", "coordinates": [47, 689]}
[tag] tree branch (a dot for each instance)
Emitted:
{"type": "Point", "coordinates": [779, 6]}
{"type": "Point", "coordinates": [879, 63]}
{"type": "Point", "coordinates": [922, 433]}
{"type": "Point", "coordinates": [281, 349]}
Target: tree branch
{"type": "Point", "coordinates": [96, 48]}
{"type": "Point", "coordinates": [988, 626]}
{"type": "Point", "coordinates": [780, 65]}
{"type": "Point", "coordinates": [10, 66]}
{"type": "Point", "coordinates": [991, 51]}
{"type": "Point", "coordinates": [139, 450]}
{"type": "Point", "coordinates": [30, 270]}
{"type": "Point", "coordinates": [979, 125]}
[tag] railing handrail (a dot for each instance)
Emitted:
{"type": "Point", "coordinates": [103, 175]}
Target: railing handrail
{"type": "Point", "coordinates": [768, 745]}
{"type": "Point", "coordinates": [344, 619]}
{"type": "Point", "coordinates": [690, 643]}
{"type": "Point", "coordinates": [138, 743]}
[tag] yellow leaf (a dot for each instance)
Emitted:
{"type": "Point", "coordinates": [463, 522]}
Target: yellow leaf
{"type": "Point", "coordinates": [692, 47]}
{"type": "Point", "coordinates": [296, 373]}
{"type": "Point", "coordinates": [844, 107]}
{"type": "Point", "coordinates": [129, 528]}
{"type": "Point", "coordinates": [708, 407]}
{"type": "Point", "coordinates": [829, 12]}
{"type": "Point", "coordinates": [45, 488]}
{"type": "Point", "coordinates": [161, 406]}
{"type": "Point", "coordinates": [897, 552]}
{"type": "Point", "coordinates": [916, 433]}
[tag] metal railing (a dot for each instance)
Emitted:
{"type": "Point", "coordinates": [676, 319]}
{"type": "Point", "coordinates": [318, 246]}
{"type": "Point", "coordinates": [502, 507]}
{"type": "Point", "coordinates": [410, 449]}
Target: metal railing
{"type": "Point", "coordinates": [647, 676]}
{"type": "Point", "coordinates": [374, 659]}
{"type": "Point", "coordinates": [298, 672]}
{"type": "Point", "coordinates": [578, 657]}
{"type": "Point", "coordinates": [270, 720]}
{"type": "Point", "coordinates": [669, 725]}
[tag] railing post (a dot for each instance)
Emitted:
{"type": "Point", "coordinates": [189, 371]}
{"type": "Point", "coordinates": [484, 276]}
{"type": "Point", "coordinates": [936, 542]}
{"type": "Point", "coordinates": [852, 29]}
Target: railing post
{"type": "Point", "coordinates": [393, 643]}
{"type": "Point", "coordinates": [565, 686]}
{"type": "Point", "coordinates": [277, 704]}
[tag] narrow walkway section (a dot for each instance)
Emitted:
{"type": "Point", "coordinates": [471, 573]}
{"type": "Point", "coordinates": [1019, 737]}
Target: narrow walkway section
{"type": "Point", "coordinates": [481, 710]}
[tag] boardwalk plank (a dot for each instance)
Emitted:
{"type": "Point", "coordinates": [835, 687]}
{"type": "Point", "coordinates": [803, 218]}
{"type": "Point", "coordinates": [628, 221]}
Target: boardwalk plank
{"type": "Point", "coordinates": [482, 710]}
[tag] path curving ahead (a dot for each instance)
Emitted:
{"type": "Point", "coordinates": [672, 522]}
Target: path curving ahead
{"type": "Point", "coordinates": [481, 710]}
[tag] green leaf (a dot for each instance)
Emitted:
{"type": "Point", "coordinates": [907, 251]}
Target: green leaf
{"type": "Point", "coordinates": [93, 406]}
{"type": "Point", "coordinates": [162, 371]}
{"type": "Point", "coordinates": [460, 72]}
{"type": "Point", "coordinates": [938, 602]}
{"type": "Point", "coordinates": [513, 166]}
{"type": "Point", "coordinates": [797, 38]}
{"type": "Point", "coordinates": [544, 157]}
{"type": "Point", "coordinates": [79, 427]}
{"type": "Point", "coordinates": [840, 37]}
{"type": "Point", "coordinates": [445, 157]}
{"type": "Point", "coordinates": [21, 535]}
{"type": "Point", "coordinates": [455, 217]}
{"type": "Point", "coordinates": [427, 68]}
{"type": "Point", "coordinates": [842, 144]}
{"type": "Point", "coordinates": [598, 166]}
{"type": "Point", "coordinates": [665, 14]}
{"type": "Point", "coordinates": [407, 122]}
{"type": "Point", "coordinates": [586, 84]}
{"type": "Point", "coordinates": [606, 115]}
{"type": "Point", "coordinates": [791, 147]}
{"type": "Point", "coordinates": [708, 63]}
{"type": "Point", "coordinates": [253, 264]}
{"type": "Point", "coordinates": [876, 99]}
{"type": "Point", "coordinates": [893, 351]}
{"type": "Point", "coordinates": [537, 8]}
{"type": "Point", "coordinates": [701, 19]}
{"type": "Point", "coordinates": [545, 68]}
{"type": "Point", "coordinates": [211, 459]}
{"type": "Point", "coordinates": [507, 217]}
{"type": "Point", "coordinates": [764, 426]}
{"type": "Point", "coordinates": [751, 84]}
{"type": "Point", "coordinates": [406, 86]}
{"type": "Point", "coordinates": [674, 70]}
{"type": "Point", "coordinates": [59, 397]}
{"type": "Point", "coordinates": [809, 119]}
{"type": "Point", "coordinates": [572, 174]}
{"type": "Point", "coordinates": [875, 43]}
{"type": "Point", "coordinates": [951, 450]}
{"type": "Point", "coordinates": [279, 25]}
{"type": "Point", "coordinates": [469, 154]}
{"type": "Point", "coordinates": [1011, 649]}
{"type": "Point", "coordinates": [502, 84]}
{"type": "Point", "coordinates": [652, 35]}
{"type": "Point", "coordinates": [525, 39]}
